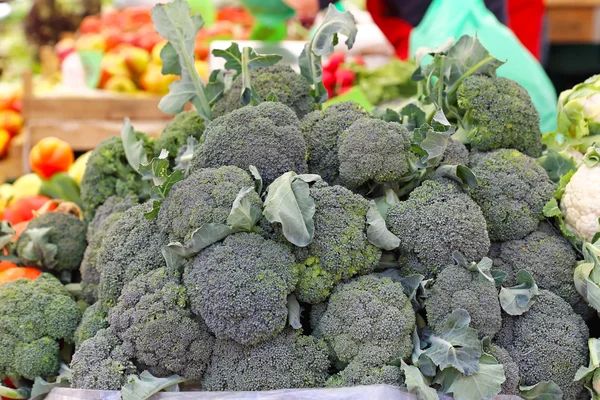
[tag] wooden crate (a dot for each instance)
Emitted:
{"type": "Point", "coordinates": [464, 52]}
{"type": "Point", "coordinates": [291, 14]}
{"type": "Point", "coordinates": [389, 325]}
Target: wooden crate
{"type": "Point", "coordinates": [573, 21]}
{"type": "Point", "coordinates": [12, 166]}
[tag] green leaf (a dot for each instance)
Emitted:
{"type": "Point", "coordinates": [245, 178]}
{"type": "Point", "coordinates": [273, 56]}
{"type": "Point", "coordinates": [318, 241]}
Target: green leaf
{"type": "Point", "coordinates": [294, 312]}
{"type": "Point", "coordinates": [557, 164]}
{"type": "Point", "coordinates": [484, 267]}
{"type": "Point", "coordinates": [456, 345]}
{"type": "Point", "coordinates": [433, 139]}
{"type": "Point", "coordinates": [542, 391]}
{"type": "Point", "coordinates": [384, 203]}
{"type": "Point", "coordinates": [134, 148]}
{"type": "Point", "coordinates": [258, 182]}
{"type": "Point", "coordinates": [412, 117]}
{"type": "Point", "coordinates": [272, 97]}
{"type": "Point", "coordinates": [216, 86]}
{"type": "Point", "coordinates": [592, 156]}
{"type": "Point", "coordinates": [146, 385]}
{"type": "Point", "coordinates": [233, 58]}
{"type": "Point", "coordinates": [485, 384]}
{"type": "Point", "coordinates": [173, 259]}
{"type": "Point", "coordinates": [41, 387]}
{"type": "Point", "coordinates": [377, 232]}
{"type": "Point", "coordinates": [417, 383]}
{"type": "Point", "coordinates": [585, 286]}
{"type": "Point", "coordinates": [322, 45]}
{"type": "Point", "coordinates": [39, 251]}
{"type": "Point", "coordinates": [551, 209]}
{"type": "Point", "coordinates": [201, 238]}
{"type": "Point", "coordinates": [183, 161]}
{"type": "Point", "coordinates": [159, 172]}
{"type": "Point", "coordinates": [244, 215]}
{"type": "Point", "coordinates": [388, 115]}
{"type": "Point", "coordinates": [458, 173]}
{"type": "Point", "coordinates": [173, 22]}
{"type": "Point", "coordinates": [519, 299]}
{"type": "Point", "coordinates": [7, 234]}
{"type": "Point", "coordinates": [170, 60]}
{"type": "Point", "coordinates": [590, 374]}
{"type": "Point", "coordinates": [499, 277]}
{"type": "Point", "coordinates": [288, 202]}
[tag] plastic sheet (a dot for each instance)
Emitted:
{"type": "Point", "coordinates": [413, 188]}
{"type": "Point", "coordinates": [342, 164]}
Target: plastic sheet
{"type": "Point", "coordinates": [377, 392]}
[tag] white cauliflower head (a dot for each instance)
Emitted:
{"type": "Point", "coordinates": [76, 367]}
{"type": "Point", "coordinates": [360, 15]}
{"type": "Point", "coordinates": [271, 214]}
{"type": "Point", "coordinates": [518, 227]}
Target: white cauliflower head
{"type": "Point", "coordinates": [580, 203]}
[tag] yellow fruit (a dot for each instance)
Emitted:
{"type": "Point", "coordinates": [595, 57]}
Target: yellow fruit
{"type": "Point", "coordinates": [27, 185]}
{"type": "Point", "coordinates": [202, 69]}
{"type": "Point", "coordinates": [6, 193]}
{"type": "Point", "coordinates": [78, 168]}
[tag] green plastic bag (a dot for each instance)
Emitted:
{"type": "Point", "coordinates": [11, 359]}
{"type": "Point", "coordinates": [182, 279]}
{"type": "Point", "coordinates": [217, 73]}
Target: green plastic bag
{"type": "Point", "coordinates": [454, 18]}
{"type": "Point", "coordinates": [271, 17]}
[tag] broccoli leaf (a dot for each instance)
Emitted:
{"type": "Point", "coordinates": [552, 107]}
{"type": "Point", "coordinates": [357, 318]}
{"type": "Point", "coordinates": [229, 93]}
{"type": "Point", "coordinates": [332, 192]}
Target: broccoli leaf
{"type": "Point", "coordinates": [201, 238]}
{"type": "Point", "coordinates": [288, 202]}
{"type": "Point", "coordinates": [433, 139]}
{"type": "Point", "coordinates": [173, 258]}
{"type": "Point", "coordinates": [377, 232]}
{"type": "Point", "coordinates": [258, 182]}
{"type": "Point", "coordinates": [458, 173]}
{"type": "Point", "coordinates": [294, 312]}
{"type": "Point", "coordinates": [384, 203]}
{"type": "Point", "coordinates": [417, 383]}
{"type": "Point", "coordinates": [518, 299]}
{"type": "Point", "coordinates": [592, 156]}
{"type": "Point", "coordinates": [457, 345]}
{"type": "Point", "coordinates": [556, 164]}
{"type": "Point", "coordinates": [547, 390]}
{"type": "Point", "coordinates": [587, 275]}
{"type": "Point", "coordinates": [590, 373]}
{"type": "Point", "coordinates": [7, 233]}
{"type": "Point", "coordinates": [484, 384]}
{"type": "Point", "coordinates": [388, 115]}
{"type": "Point", "coordinates": [322, 44]}
{"type": "Point", "coordinates": [39, 251]}
{"type": "Point", "coordinates": [158, 171]}
{"type": "Point", "coordinates": [244, 215]}
{"type": "Point", "coordinates": [134, 148]}
{"type": "Point", "coordinates": [173, 22]}
{"type": "Point", "coordinates": [183, 161]}
{"type": "Point", "coordinates": [41, 387]}
{"type": "Point", "coordinates": [412, 117]}
{"type": "Point", "coordinates": [146, 385]}
{"type": "Point", "coordinates": [484, 266]}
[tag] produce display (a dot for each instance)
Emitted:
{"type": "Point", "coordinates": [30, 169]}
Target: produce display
{"type": "Point", "coordinates": [271, 240]}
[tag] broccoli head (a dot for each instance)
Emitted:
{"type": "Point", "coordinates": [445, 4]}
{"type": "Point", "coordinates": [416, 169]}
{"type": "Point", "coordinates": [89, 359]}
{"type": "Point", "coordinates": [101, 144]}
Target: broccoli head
{"type": "Point", "coordinates": [358, 374]}
{"type": "Point", "coordinates": [373, 151]}
{"type": "Point", "coordinates": [458, 288]}
{"type": "Point", "coordinates": [511, 370]}
{"type": "Point", "coordinates": [94, 319]}
{"type": "Point", "coordinates": [436, 220]}
{"type": "Point", "coordinates": [321, 130]}
{"type": "Point", "coordinates": [206, 196]}
{"type": "Point", "coordinates": [157, 328]}
{"type": "Point", "coordinates": [131, 247]}
{"type": "Point", "coordinates": [66, 234]}
{"type": "Point", "coordinates": [290, 88]}
{"type": "Point", "coordinates": [548, 342]}
{"type": "Point", "coordinates": [289, 360]}
{"type": "Point", "coordinates": [512, 191]}
{"type": "Point", "coordinates": [456, 153]}
{"type": "Point", "coordinates": [100, 363]}
{"type": "Point", "coordinates": [240, 287]}
{"type": "Point", "coordinates": [368, 319]}
{"type": "Point", "coordinates": [108, 173]}
{"type": "Point", "coordinates": [186, 124]}
{"type": "Point", "coordinates": [109, 212]}
{"type": "Point", "coordinates": [498, 113]}
{"type": "Point", "coordinates": [268, 136]}
{"type": "Point", "coordinates": [35, 315]}
{"type": "Point", "coordinates": [339, 249]}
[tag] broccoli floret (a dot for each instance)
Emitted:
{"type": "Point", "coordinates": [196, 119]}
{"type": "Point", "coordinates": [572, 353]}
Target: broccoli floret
{"type": "Point", "coordinates": [512, 191]}
{"type": "Point", "coordinates": [340, 248]}
{"type": "Point", "coordinates": [455, 288]}
{"type": "Point", "coordinates": [321, 130]}
{"type": "Point", "coordinates": [94, 319]}
{"type": "Point", "coordinates": [157, 328]}
{"type": "Point", "coordinates": [35, 315]}
{"type": "Point", "coordinates": [105, 216]}
{"type": "Point", "coordinates": [373, 151]}
{"type": "Point", "coordinates": [549, 258]}
{"type": "Point", "coordinates": [66, 234]}
{"type": "Point", "coordinates": [175, 135]}
{"type": "Point", "coordinates": [131, 247]}
{"type": "Point", "coordinates": [358, 373]}
{"type": "Point", "coordinates": [456, 153]}
{"type": "Point", "coordinates": [548, 342]}
{"type": "Point", "coordinates": [511, 370]}
{"type": "Point", "coordinates": [107, 173]}
{"type": "Point", "coordinates": [289, 360]}
{"type": "Point", "coordinates": [368, 319]}
{"type": "Point", "coordinates": [100, 363]}
{"type": "Point", "coordinates": [268, 136]}
{"type": "Point", "coordinates": [240, 287]}
{"type": "Point", "coordinates": [498, 113]}
{"type": "Point", "coordinates": [290, 88]}
{"type": "Point", "coordinates": [436, 220]}
{"type": "Point", "coordinates": [206, 196]}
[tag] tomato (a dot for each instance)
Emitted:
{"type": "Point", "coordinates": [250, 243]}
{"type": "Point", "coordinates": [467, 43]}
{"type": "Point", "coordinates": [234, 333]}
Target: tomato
{"type": "Point", "coordinates": [49, 156]}
{"type": "Point", "coordinates": [11, 121]}
{"type": "Point", "coordinates": [13, 274]}
{"type": "Point", "coordinates": [5, 265]}
{"type": "Point", "coordinates": [22, 209]}
{"type": "Point", "coordinates": [5, 138]}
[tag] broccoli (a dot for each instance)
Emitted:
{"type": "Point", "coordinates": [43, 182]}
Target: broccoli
{"type": "Point", "coordinates": [206, 196]}
{"type": "Point", "coordinates": [36, 315]}
{"type": "Point", "coordinates": [157, 328]}
{"type": "Point", "coordinates": [373, 151]}
{"type": "Point", "coordinates": [436, 220]}
{"type": "Point", "coordinates": [66, 235]}
{"type": "Point", "coordinates": [340, 248]}
{"type": "Point", "coordinates": [548, 342]}
{"type": "Point", "coordinates": [175, 135]}
{"type": "Point", "coordinates": [100, 363]}
{"type": "Point", "coordinates": [512, 191]}
{"type": "Point", "coordinates": [289, 360]}
{"type": "Point", "coordinates": [497, 113]}
{"type": "Point", "coordinates": [549, 258]}
{"type": "Point", "coordinates": [321, 130]}
{"type": "Point", "coordinates": [240, 287]}
{"type": "Point", "coordinates": [511, 370]}
{"type": "Point", "coordinates": [131, 247]}
{"type": "Point", "coordinates": [268, 136]}
{"type": "Point", "coordinates": [455, 154]}
{"type": "Point", "coordinates": [358, 373]}
{"type": "Point", "coordinates": [368, 319]}
{"type": "Point", "coordinates": [108, 173]}
{"type": "Point", "coordinates": [94, 319]}
{"type": "Point", "coordinates": [290, 88]}
{"type": "Point", "coordinates": [105, 216]}
{"type": "Point", "coordinates": [456, 287]}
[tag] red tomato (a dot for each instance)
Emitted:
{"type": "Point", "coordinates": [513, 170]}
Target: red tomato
{"type": "Point", "coordinates": [22, 209]}
{"type": "Point", "coordinates": [13, 274]}
{"type": "Point", "coordinates": [90, 24]}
